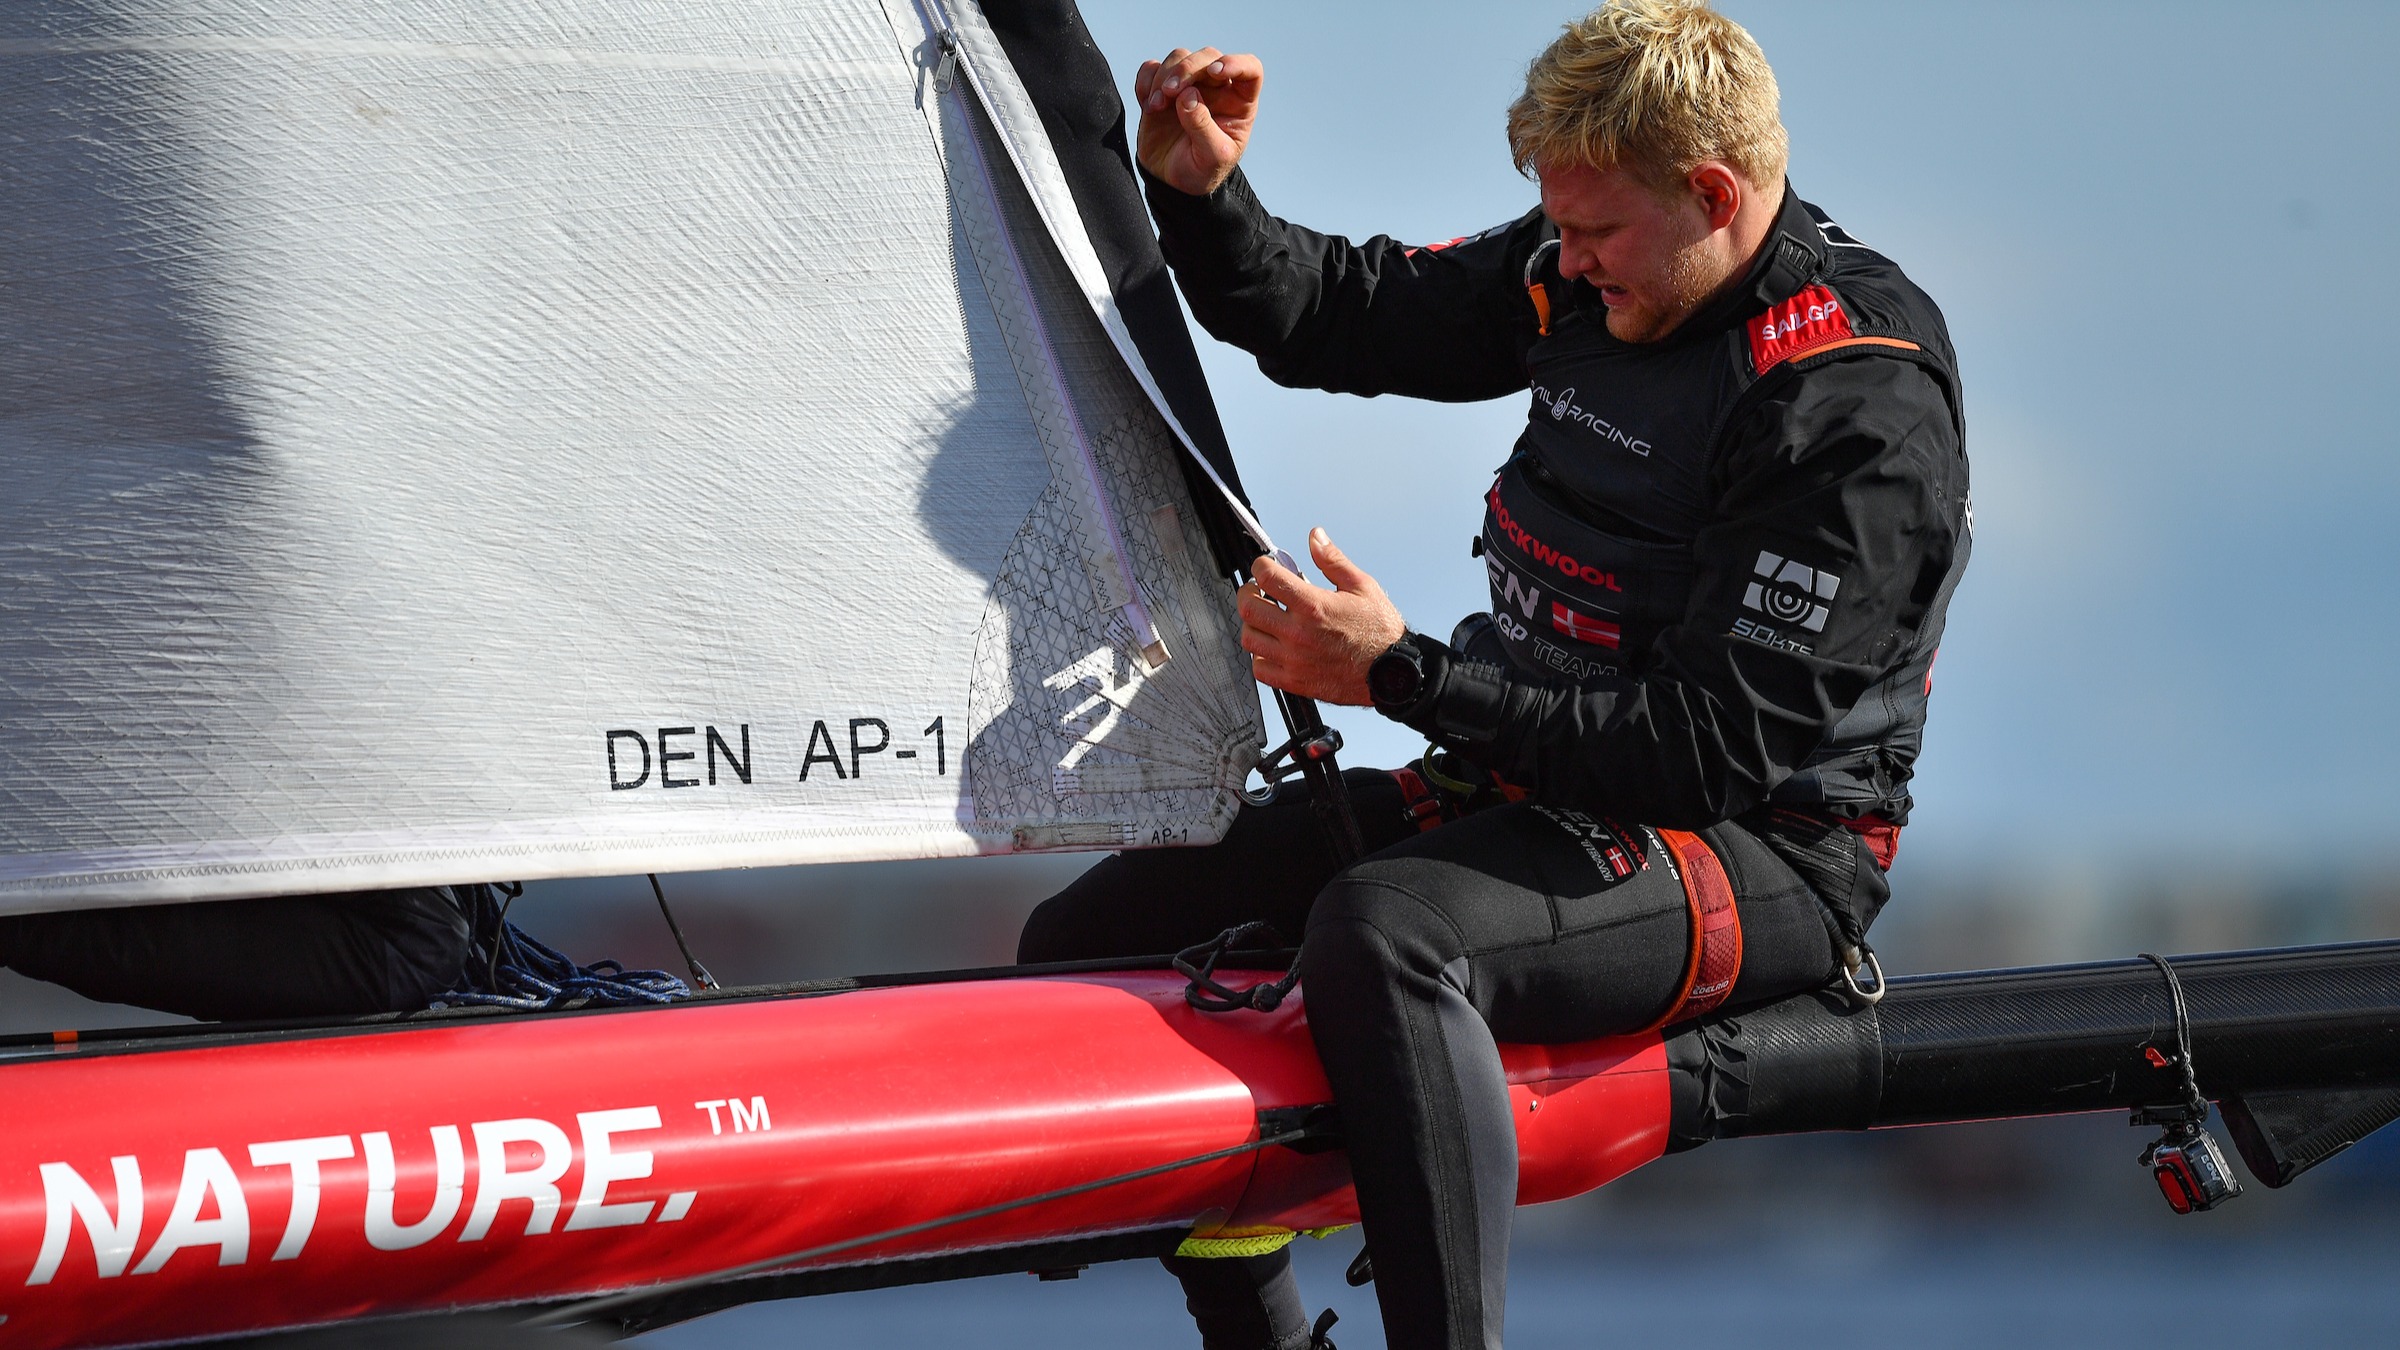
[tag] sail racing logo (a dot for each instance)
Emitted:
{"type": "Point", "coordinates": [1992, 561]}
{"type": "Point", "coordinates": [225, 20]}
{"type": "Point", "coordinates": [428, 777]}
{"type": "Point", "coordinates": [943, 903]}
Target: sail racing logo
{"type": "Point", "coordinates": [1562, 407]}
{"type": "Point", "coordinates": [1791, 592]}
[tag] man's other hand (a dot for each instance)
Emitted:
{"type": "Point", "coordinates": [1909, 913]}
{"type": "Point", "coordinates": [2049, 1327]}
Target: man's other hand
{"type": "Point", "coordinates": [1197, 111]}
{"type": "Point", "coordinates": [1313, 642]}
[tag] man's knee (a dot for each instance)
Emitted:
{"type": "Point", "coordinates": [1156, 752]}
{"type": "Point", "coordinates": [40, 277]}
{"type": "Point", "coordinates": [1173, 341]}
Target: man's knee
{"type": "Point", "coordinates": [1367, 925]}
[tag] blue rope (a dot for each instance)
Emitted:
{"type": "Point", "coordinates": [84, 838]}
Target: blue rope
{"type": "Point", "coordinates": [507, 968]}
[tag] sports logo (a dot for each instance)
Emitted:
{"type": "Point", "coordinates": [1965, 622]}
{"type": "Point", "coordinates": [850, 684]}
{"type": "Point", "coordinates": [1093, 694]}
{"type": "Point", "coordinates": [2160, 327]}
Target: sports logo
{"type": "Point", "coordinates": [1563, 408]}
{"type": "Point", "coordinates": [1791, 592]}
{"type": "Point", "coordinates": [1814, 318]}
{"type": "Point", "coordinates": [1611, 847]}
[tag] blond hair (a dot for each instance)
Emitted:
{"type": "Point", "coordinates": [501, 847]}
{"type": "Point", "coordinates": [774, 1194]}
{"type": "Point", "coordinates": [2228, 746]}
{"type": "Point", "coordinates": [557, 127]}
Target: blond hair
{"type": "Point", "coordinates": [1654, 86]}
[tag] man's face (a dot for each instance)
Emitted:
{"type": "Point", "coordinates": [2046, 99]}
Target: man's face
{"type": "Point", "coordinates": [1643, 249]}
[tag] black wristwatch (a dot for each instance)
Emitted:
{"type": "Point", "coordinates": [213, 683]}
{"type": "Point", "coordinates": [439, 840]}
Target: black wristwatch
{"type": "Point", "coordinates": [1397, 678]}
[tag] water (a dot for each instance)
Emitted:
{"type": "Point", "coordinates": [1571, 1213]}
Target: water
{"type": "Point", "coordinates": [2015, 1234]}
{"type": "Point", "coordinates": [1966, 1287]}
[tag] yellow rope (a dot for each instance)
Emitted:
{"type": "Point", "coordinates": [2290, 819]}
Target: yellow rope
{"type": "Point", "coordinates": [1248, 1242]}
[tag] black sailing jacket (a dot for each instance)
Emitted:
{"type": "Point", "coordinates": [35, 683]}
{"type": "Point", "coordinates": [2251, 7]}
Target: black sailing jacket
{"type": "Point", "coordinates": [1719, 562]}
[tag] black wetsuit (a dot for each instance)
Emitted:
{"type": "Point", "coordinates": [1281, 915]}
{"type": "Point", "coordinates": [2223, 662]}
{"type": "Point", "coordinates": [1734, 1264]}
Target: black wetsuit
{"type": "Point", "coordinates": [1719, 566]}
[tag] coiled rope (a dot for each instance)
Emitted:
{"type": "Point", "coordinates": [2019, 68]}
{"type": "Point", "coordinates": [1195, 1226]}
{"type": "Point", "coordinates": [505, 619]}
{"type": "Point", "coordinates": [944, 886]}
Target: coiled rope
{"type": "Point", "coordinates": [507, 968]}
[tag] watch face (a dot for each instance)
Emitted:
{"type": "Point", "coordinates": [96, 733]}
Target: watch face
{"type": "Point", "coordinates": [1394, 679]}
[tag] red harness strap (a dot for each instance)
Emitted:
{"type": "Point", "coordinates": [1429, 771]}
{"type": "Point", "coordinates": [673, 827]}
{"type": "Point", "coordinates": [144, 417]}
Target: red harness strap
{"type": "Point", "coordinates": [1716, 930]}
{"type": "Point", "coordinates": [1881, 837]}
{"type": "Point", "coordinates": [1716, 947]}
{"type": "Point", "coordinates": [1421, 803]}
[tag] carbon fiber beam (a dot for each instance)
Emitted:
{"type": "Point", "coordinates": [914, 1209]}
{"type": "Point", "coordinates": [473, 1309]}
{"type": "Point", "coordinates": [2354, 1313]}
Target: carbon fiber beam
{"type": "Point", "coordinates": [2041, 1041]}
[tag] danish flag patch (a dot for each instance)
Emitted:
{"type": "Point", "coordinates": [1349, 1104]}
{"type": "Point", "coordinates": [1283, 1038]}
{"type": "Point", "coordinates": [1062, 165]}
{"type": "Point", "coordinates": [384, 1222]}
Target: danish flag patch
{"type": "Point", "coordinates": [1798, 326]}
{"type": "Point", "coordinates": [1583, 627]}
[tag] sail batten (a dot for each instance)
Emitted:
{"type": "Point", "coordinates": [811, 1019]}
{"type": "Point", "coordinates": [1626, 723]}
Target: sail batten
{"type": "Point", "coordinates": [442, 443]}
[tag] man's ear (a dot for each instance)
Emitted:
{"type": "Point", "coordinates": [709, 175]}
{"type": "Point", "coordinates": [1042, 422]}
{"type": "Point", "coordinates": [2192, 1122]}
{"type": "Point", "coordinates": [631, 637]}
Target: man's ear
{"type": "Point", "coordinates": [1718, 190]}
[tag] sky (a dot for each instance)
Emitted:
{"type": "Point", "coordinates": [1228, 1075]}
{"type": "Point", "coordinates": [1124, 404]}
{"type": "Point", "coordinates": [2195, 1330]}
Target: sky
{"type": "Point", "coordinates": [2162, 237]}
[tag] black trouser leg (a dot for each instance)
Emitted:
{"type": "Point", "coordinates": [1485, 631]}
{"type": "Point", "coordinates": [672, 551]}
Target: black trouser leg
{"type": "Point", "coordinates": [1424, 1108]}
{"type": "Point", "coordinates": [1412, 959]}
{"type": "Point", "coordinates": [282, 956]}
{"type": "Point", "coordinates": [1243, 1302]}
{"type": "Point", "coordinates": [1503, 926]}
{"type": "Point", "coordinates": [1522, 923]}
{"type": "Point", "coordinates": [1269, 867]}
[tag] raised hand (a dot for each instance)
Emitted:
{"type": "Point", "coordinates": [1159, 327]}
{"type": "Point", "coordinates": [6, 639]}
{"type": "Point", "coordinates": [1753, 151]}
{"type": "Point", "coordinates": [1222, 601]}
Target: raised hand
{"type": "Point", "coordinates": [1197, 111]}
{"type": "Point", "coordinates": [1310, 641]}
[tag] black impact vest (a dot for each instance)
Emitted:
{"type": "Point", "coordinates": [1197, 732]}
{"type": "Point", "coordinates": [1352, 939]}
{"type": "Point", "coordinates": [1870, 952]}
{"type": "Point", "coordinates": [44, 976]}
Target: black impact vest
{"type": "Point", "coordinates": [1590, 526]}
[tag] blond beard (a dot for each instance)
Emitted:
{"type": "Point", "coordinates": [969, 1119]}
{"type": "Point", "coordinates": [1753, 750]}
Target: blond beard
{"type": "Point", "coordinates": [1687, 284]}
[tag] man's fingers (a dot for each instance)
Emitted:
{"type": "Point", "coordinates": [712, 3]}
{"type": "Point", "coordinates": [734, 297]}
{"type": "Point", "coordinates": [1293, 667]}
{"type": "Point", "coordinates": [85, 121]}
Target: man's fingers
{"type": "Point", "coordinates": [1284, 586]}
{"type": "Point", "coordinates": [1257, 611]}
{"type": "Point", "coordinates": [1144, 80]}
{"type": "Point", "coordinates": [1206, 66]}
{"type": "Point", "coordinates": [1167, 78]}
{"type": "Point", "coordinates": [1272, 663]}
{"type": "Point", "coordinates": [1336, 565]}
{"type": "Point", "coordinates": [1269, 575]}
{"type": "Point", "coordinates": [1184, 67]}
{"type": "Point", "coordinates": [1242, 72]}
{"type": "Point", "coordinates": [1212, 148]}
{"type": "Point", "coordinates": [1155, 95]}
{"type": "Point", "coordinates": [1265, 615]}
{"type": "Point", "coordinates": [1274, 675]}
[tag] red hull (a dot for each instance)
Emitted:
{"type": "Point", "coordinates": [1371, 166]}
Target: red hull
{"type": "Point", "coordinates": [590, 1160]}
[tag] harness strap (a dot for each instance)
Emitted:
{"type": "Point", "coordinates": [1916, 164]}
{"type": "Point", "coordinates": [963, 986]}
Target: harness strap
{"type": "Point", "coordinates": [1716, 957]}
{"type": "Point", "coordinates": [1418, 801]}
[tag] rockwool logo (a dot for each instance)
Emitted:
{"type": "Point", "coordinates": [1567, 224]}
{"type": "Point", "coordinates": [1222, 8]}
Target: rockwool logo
{"type": "Point", "coordinates": [1791, 592]}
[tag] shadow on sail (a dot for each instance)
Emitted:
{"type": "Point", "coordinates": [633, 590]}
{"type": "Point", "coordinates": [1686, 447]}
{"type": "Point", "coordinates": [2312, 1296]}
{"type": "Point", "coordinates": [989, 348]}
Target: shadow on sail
{"type": "Point", "coordinates": [451, 447]}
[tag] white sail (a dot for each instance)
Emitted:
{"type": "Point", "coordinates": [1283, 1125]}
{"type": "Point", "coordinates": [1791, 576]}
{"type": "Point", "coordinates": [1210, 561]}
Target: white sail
{"type": "Point", "coordinates": [444, 441]}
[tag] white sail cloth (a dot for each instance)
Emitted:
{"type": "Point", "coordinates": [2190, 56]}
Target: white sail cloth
{"type": "Point", "coordinates": [445, 441]}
